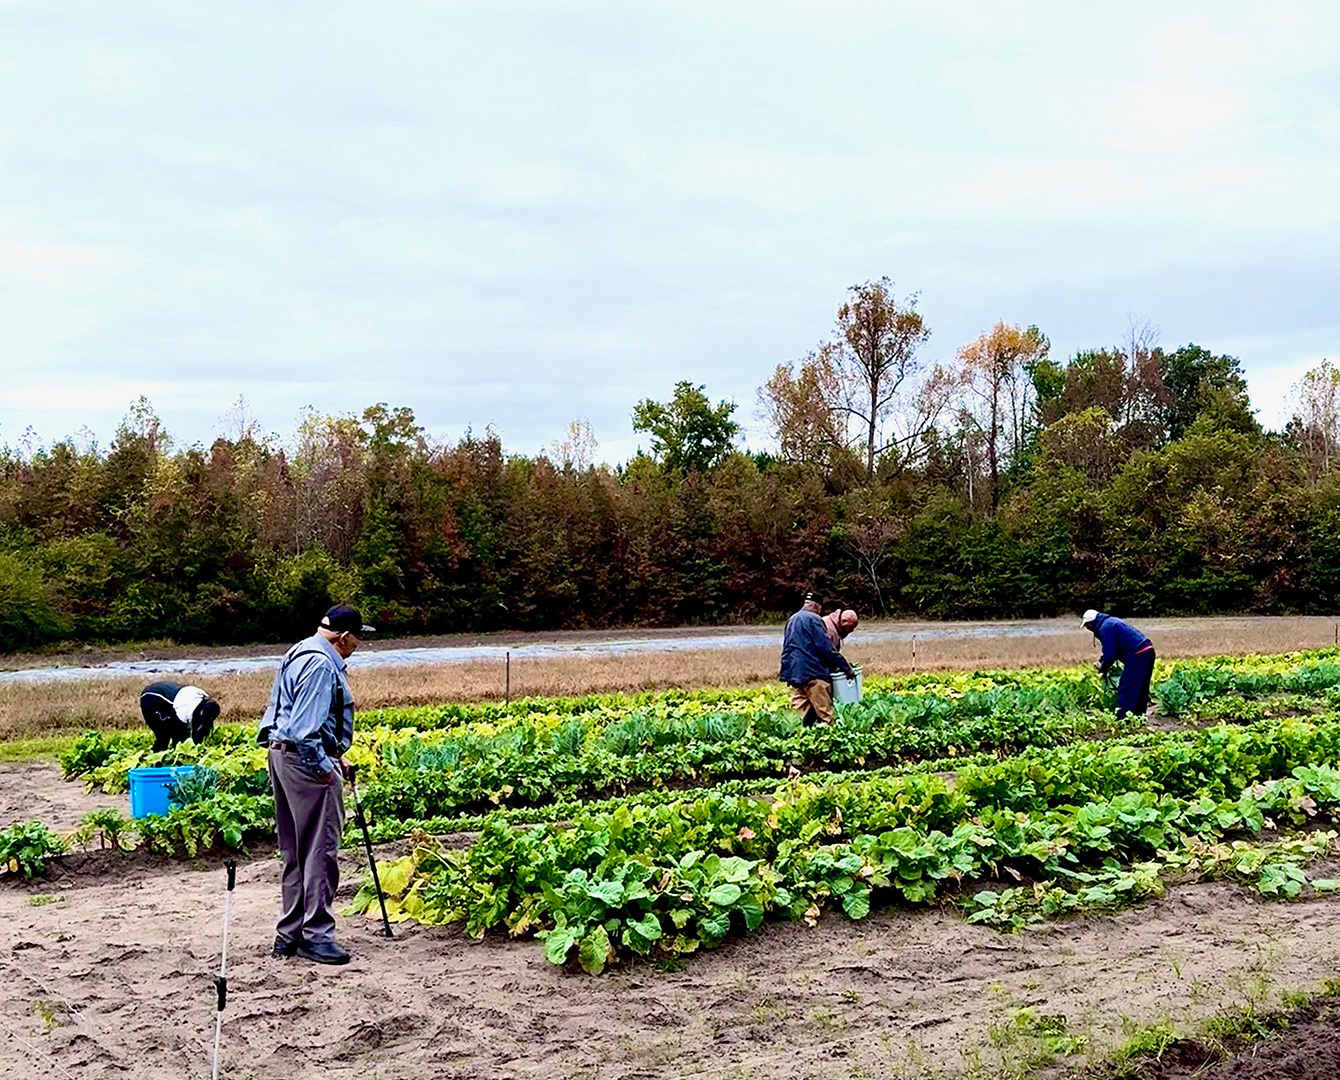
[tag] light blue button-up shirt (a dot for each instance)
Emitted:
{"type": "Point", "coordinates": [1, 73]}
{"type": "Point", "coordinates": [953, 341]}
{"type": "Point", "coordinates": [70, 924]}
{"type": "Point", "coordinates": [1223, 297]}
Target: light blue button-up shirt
{"type": "Point", "coordinates": [311, 704]}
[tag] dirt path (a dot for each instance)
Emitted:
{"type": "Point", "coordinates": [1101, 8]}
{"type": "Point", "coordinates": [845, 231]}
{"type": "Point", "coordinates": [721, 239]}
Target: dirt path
{"type": "Point", "coordinates": [113, 978]}
{"type": "Point", "coordinates": [34, 791]}
{"type": "Point", "coordinates": [106, 971]}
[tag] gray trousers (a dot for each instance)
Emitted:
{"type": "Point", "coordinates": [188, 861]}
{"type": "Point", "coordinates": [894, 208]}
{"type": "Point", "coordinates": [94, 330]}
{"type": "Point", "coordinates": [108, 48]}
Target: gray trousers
{"type": "Point", "coordinates": [309, 815]}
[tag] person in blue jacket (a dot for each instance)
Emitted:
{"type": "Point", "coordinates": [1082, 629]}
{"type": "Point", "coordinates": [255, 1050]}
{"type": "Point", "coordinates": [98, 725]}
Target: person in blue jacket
{"type": "Point", "coordinates": [1121, 641]}
{"type": "Point", "coordinates": [809, 660]}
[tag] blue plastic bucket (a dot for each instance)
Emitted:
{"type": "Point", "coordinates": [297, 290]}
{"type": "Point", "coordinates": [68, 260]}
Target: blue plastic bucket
{"type": "Point", "coordinates": [149, 788]}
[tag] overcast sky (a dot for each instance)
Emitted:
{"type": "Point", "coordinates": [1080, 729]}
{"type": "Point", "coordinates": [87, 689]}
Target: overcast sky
{"type": "Point", "coordinates": [521, 214]}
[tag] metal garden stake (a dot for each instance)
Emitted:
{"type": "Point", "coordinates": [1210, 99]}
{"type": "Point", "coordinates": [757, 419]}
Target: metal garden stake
{"type": "Point", "coordinates": [367, 843]}
{"type": "Point", "coordinates": [221, 983]}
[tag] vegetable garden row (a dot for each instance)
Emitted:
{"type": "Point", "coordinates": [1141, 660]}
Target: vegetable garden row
{"type": "Point", "coordinates": [662, 823]}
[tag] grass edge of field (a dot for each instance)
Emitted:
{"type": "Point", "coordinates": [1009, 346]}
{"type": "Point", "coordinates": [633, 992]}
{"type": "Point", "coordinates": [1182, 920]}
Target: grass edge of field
{"type": "Point", "coordinates": [31, 750]}
{"type": "Point", "coordinates": [1019, 1043]}
{"type": "Point", "coordinates": [1225, 1034]}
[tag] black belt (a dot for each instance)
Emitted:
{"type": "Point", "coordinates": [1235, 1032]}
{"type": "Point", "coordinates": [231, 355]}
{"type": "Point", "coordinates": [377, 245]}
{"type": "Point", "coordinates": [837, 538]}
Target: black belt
{"type": "Point", "coordinates": [284, 744]}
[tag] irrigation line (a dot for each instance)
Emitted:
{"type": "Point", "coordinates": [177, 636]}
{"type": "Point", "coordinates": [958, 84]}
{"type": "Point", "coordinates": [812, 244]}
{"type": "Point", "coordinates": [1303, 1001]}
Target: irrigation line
{"type": "Point", "coordinates": [34, 1049]}
{"type": "Point", "coordinates": [75, 1014]}
{"type": "Point", "coordinates": [69, 1006]}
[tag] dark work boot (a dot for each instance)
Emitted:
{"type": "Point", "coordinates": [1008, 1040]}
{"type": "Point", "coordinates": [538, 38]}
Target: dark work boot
{"type": "Point", "coordinates": [324, 952]}
{"type": "Point", "coordinates": [284, 948]}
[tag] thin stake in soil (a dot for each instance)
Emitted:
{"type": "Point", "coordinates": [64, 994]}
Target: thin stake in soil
{"type": "Point", "coordinates": [367, 843]}
{"type": "Point", "coordinates": [221, 983]}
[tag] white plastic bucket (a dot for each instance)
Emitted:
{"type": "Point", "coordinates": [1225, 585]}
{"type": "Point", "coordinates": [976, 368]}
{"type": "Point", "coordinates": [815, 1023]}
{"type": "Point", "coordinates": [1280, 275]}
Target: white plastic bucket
{"type": "Point", "coordinates": [847, 691]}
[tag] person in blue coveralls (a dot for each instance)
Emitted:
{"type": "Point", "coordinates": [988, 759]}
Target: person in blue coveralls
{"type": "Point", "coordinates": [1122, 641]}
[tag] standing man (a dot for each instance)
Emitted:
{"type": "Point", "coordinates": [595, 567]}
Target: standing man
{"type": "Point", "coordinates": [308, 726]}
{"type": "Point", "coordinates": [808, 660]}
{"type": "Point", "coordinates": [176, 713]}
{"type": "Point", "coordinates": [1121, 641]}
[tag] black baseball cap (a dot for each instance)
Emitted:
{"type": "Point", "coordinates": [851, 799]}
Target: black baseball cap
{"type": "Point", "coordinates": [344, 619]}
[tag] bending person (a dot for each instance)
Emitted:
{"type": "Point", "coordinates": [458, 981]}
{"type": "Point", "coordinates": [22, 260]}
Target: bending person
{"type": "Point", "coordinates": [176, 713]}
{"type": "Point", "coordinates": [1122, 641]}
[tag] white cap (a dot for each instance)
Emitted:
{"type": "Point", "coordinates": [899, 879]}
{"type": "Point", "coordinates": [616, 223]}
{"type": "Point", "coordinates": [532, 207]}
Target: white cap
{"type": "Point", "coordinates": [1089, 616]}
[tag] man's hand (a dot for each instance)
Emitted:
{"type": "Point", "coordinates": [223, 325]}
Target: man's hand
{"type": "Point", "coordinates": [342, 768]}
{"type": "Point", "coordinates": [347, 769]}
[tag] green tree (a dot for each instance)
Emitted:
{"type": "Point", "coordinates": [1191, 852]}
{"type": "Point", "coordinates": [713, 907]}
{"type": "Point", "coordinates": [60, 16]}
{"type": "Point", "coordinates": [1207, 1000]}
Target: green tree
{"type": "Point", "coordinates": [1085, 441]}
{"type": "Point", "coordinates": [1198, 381]}
{"type": "Point", "coordinates": [688, 433]}
{"type": "Point", "coordinates": [29, 614]}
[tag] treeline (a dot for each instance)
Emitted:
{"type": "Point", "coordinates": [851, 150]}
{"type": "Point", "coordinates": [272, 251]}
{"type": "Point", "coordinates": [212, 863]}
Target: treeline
{"type": "Point", "coordinates": [1000, 483]}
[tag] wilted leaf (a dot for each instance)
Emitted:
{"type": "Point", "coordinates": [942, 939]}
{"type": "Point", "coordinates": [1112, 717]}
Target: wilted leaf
{"type": "Point", "coordinates": [713, 929]}
{"type": "Point", "coordinates": [643, 932]}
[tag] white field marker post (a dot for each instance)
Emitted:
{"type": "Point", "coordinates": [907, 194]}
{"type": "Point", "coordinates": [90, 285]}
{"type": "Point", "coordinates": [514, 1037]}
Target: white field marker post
{"type": "Point", "coordinates": [221, 983]}
{"type": "Point", "coordinates": [507, 677]}
{"type": "Point", "coordinates": [914, 654]}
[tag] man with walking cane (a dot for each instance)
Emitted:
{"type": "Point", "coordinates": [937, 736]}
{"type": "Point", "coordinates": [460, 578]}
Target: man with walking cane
{"type": "Point", "coordinates": [308, 727]}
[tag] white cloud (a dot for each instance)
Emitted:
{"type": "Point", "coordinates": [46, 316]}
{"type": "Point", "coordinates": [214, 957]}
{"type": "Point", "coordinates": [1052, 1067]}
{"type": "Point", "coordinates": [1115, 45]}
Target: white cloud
{"type": "Point", "coordinates": [523, 213]}
{"type": "Point", "coordinates": [1163, 116]}
{"type": "Point", "coordinates": [58, 264]}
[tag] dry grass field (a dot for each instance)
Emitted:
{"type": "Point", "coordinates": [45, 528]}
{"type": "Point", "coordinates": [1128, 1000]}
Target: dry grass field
{"type": "Point", "coordinates": [43, 709]}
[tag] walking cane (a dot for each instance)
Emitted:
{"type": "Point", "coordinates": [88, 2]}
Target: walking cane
{"type": "Point", "coordinates": [221, 983]}
{"type": "Point", "coordinates": [367, 843]}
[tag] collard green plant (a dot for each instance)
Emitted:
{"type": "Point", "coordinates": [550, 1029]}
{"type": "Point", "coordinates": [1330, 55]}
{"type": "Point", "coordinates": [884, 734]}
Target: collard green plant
{"type": "Point", "coordinates": [26, 847]}
{"type": "Point", "coordinates": [193, 786]}
{"type": "Point", "coordinates": [90, 750]}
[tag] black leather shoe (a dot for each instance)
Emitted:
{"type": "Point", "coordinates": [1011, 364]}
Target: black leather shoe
{"type": "Point", "coordinates": [284, 948]}
{"type": "Point", "coordinates": [325, 953]}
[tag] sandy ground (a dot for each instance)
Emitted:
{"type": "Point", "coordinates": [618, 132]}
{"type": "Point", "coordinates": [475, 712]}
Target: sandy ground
{"type": "Point", "coordinates": [35, 792]}
{"type": "Point", "coordinates": [108, 972]}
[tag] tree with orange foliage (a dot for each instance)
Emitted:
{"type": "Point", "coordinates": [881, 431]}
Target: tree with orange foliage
{"type": "Point", "coordinates": [997, 374]}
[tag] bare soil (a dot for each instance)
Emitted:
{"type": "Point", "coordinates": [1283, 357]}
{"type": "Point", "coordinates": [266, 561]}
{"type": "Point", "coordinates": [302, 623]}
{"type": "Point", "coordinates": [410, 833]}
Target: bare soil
{"type": "Point", "coordinates": [1305, 1046]}
{"type": "Point", "coordinates": [35, 792]}
{"type": "Point", "coordinates": [110, 975]}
